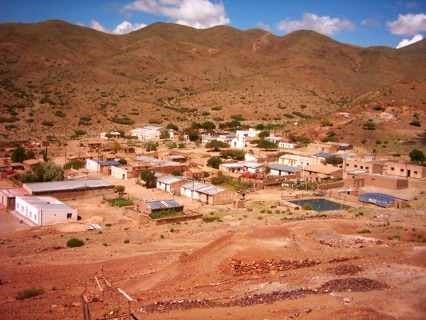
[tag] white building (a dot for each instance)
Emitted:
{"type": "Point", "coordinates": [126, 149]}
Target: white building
{"type": "Point", "coordinates": [286, 144]}
{"type": "Point", "coordinates": [42, 211]}
{"type": "Point", "coordinates": [299, 160]}
{"type": "Point", "coordinates": [250, 133]}
{"type": "Point", "coordinates": [119, 173]}
{"type": "Point", "coordinates": [147, 133]}
{"type": "Point", "coordinates": [93, 165]}
{"type": "Point", "coordinates": [238, 142]}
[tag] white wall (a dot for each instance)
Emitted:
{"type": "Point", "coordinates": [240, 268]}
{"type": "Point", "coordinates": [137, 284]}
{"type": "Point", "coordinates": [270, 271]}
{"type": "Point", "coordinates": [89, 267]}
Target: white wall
{"type": "Point", "coordinates": [119, 173]}
{"type": "Point", "coordinates": [92, 165]}
{"type": "Point", "coordinates": [27, 210]}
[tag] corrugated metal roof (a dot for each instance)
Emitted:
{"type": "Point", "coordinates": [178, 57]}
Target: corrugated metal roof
{"type": "Point", "coordinates": [170, 179]}
{"type": "Point", "coordinates": [379, 199]}
{"type": "Point", "coordinates": [203, 188]}
{"type": "Point", "coordinates": [283, 167]}
{"type": "Point", "coordinates": [67, 185]}
{"type": "Point", "coordinates": [163, 204]}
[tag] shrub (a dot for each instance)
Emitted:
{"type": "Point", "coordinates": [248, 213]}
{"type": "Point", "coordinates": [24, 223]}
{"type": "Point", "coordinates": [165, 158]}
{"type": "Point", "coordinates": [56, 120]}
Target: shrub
{"type": "Point", "coordinates": [216, 145]}
{"type": "Point", "coordinates": [60, 114]}
{"type": "Point", "coordinates": [123, 119]}
{"type": "Point", "coordinates": [266, 144]}
{"type": "Point", "coordinates": [149, 178]}
{"type": "Point", "coordinates": [172, 126]}
{"type": "Point", "coordinates": [75, 243]}
{"type": "Point", "coordinates": [151, 146]}
{"type": "Point", "coordinates": [44, 172]}
{"type": "Point", "coordinates": [121, 202]}
{"type": "Point", "coordinates": [369, 125]}
{"type": "Point", "coordinates": [19, 154]}
{"type": "Point", "coordinates": [334, 160]}
{"type": "Point", "coordinates": [417, 156]}
{"type": "Point", "coordinates": [214, 162]}
{"type": "Point", "coordinates": [74, 164]}
{"type": "Point", "coordinates": [29, 293]}
{"type": "Point", "coordinates": [234, 154]}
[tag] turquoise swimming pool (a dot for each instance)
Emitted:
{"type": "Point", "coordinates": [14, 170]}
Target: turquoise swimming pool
{"type": "Point", "coordinates": [319, 204]}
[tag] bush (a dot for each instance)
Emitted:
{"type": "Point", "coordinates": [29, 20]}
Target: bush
{"type": "Point", "coordinates": [151, 146]}
{"type": "Point", "coordinates": [75, 164]}
{"type": "Point", "coordinates": [369, 125]}
{"type": "Point", "coordinates": [75, 243]}
{"type": "Point", "coordinates": [29, 293]}
{"type": "Point", "coordinates": [334, 160]}
{"type": "Point", "coordinates": [149, 178]}
{"type": "Point", "coordinates": [60, 114]}
{"type": "Point", "coordinates": [19, 154]}
{"type": "Point", "coordinates": [123, 119]}
{"type": "Point", "coordinates": [121, 202]}
{"type": "Point", "coordinates": [417, 156]}
{"type": "Point", "coordinates": [214, 162]}
{"type": "Point", "coordinates": [266, 144]}
{"type": "Point", "coordinates": [216, 145]}
{"type": "Point", "coordinates": [172, 126]}
{"type": "Point", "coordinates": [44, 172]}
{"type": "Point", "coordinates": [234, 154]}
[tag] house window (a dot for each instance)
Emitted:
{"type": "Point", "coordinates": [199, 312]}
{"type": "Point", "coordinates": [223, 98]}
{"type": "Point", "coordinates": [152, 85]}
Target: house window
{"type": "Point", "coordinates": [366, 168]}
{"type": "Point", "coordinates": [402, 170]}
{"type": "Point", "coordinates": [392, 168]}
{"type": "Point", "coordinates": [415, 172]}
{"type": "Point", "coordinates": [69, 216]}
{"type": "Point", "coordinates": [356, 166]}
{"type": "Point", "coordinates": [362, 167]}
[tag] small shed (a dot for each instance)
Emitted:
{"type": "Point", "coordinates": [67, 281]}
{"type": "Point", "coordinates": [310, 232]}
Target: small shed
{"type": "Point", "coordinates": [159, 208]}
{"type": "Point", "coordinates": [170, 183]}
{"type": "Point", "coordinates": [8, 196]}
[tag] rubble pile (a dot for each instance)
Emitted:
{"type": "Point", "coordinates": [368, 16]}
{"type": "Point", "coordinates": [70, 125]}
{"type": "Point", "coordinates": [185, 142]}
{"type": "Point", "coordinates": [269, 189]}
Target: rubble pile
{"type": "Point", "coordinates": [266, 266]}
{"type": "Point", "coordinates": [336, 285]}
{"type": "Point", "coordinates": [351, 284]}
{"type": "Point", "coordinates": [346, 269]}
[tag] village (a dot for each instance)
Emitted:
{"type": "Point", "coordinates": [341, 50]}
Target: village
{"type": "Point", "coordinates": [213, 169]}
{"type": "Point", "coordinates": [158, 184]}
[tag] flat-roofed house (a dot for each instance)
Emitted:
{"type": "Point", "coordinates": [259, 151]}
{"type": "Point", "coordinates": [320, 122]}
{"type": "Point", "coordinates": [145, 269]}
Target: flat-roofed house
{"type": "Point", "coordinates": [404, 169]}
{"type": "Point", "coordinates": [299, 160]}
{"type": "Point", "coordinates": [171, 184]}
{"type": "Point", "coordinates": [277, 169]}
{"type": "Point", "coordinates": [42, 211]}
{"type": "Point", "coordinates": [121, 173]}
{"type": "Point", "coordinates": [101, 166]}
{"type": "Point", "coordinates": [147, 133]}
{"type": "Point", "coordinates": [318, 173]}
{"type": "Point", "coordinates": [207, 193]}
{"type": "Point", "coordinates": [70, 189]}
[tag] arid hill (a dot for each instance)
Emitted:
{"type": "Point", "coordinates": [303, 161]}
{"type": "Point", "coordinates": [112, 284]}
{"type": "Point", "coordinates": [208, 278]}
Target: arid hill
{"type": "Point", "coordinates": [57, 78]}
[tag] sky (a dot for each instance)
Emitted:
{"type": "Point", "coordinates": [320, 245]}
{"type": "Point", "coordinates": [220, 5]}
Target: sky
{"type": "Point", "coordinates": [393, 23]}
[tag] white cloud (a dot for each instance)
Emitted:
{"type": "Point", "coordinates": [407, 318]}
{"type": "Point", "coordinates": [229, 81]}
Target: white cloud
{"type": "Point", "coordinates": [408, 24]}
{"type": "Point", "coordinates": [122, 28]}
{"type": "Point", "coordinates": [407, 42]}
{"type": "Point", "coordinates": [194, 13]}
{"type": "Point", "coordinates": [97, 26]}
{"type": "Point", "coordinates": [264, 26]}
{"type": "Point", "coordinates": [126, 27]}
{"type": "Point", "coordinates": [322, 24]}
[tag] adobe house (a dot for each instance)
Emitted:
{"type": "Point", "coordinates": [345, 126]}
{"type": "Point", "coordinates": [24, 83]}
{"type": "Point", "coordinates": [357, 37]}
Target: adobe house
{"type": "Point", "coordinates": [404, 169]}
{"type": "Point", "coordinates": [101, 166]}
{"type": "Point", "coordinates": [318, 173]}
{"type": "Point", "coordinates": [358, 180]}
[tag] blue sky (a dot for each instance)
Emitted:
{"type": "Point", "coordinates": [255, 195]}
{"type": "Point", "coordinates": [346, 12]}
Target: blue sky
{"type": "Point", "coordinates": [362, 22]}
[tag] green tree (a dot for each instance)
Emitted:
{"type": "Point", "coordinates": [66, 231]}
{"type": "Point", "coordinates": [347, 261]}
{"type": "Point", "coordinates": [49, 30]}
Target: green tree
{"type": "Point", "coordinates": [214, 162]}
{"type": "Point", "coordinates": [149, 178]}
{"type": "Point", "coordinates": [369, 125]}
{"type": "Point", "coordinates": [44, 172]}
{"type": "Point", "coordinates": [164, 134]}
{"type": "Point", "coordinates": [172, 126]}
{"type": "Point", "coordinates": [266, 144]}
{"type": "Point", "coordinates": [217, 145]}
{"type": "Point", "coordinates": [334, 160]}
{"type": "Point", "coordinates": [263, 134]}
{"type": "Point", "coordinates": [18, 154]}
{"type": "Point", "coordinates": [193, 135]}
{"type": "Point", "coordinates": [151, 146]}
{"type": "Point", "coordinates": [417, 156]}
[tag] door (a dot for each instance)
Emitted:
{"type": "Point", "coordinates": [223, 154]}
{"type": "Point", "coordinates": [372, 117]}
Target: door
{"type": "Point", "coordinates": [408, 173]}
